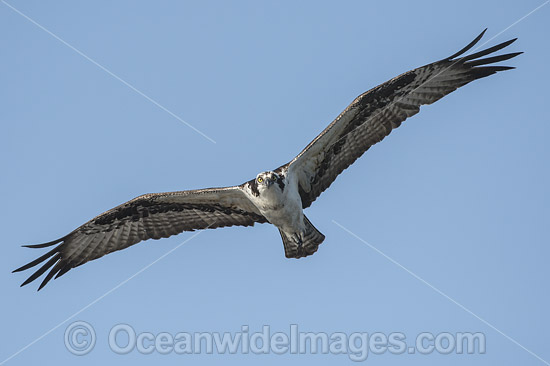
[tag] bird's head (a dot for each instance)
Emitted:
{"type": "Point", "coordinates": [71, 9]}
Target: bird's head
{"type": "Point", "coordinates": [266, 179]}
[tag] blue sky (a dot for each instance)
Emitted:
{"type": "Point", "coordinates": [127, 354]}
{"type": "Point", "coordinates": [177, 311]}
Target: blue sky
{"type": "Point", "coordinates": [458, 194]}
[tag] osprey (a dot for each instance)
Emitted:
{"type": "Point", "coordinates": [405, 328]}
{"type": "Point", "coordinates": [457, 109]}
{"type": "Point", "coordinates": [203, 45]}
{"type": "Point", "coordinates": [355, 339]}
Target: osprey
{"type": "Point", "coordinates": [278, 196]}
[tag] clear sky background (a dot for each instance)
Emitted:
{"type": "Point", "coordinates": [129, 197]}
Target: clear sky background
{"type": "Point", "coordinates": [458, 194]}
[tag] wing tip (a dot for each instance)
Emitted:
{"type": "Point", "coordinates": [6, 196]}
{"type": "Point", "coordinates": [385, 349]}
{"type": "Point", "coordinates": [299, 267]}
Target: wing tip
{"type": "Point", "coordinates": [480, 53]}
{"type": "Point", "coordinates": [44, 245]}
{"type": "Point", "coordinates": [468, 46]}
{"type": "Point", "coordinates": [55, 262]}
{"type": "Point", "coordinates": [480, 67]}
{"type": "Point", "coordinates": [491, 60]}
{"type": "Point", "coordinates": [481, 72]}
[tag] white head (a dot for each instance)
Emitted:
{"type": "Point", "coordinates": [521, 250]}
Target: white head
{"type": "Point", "coordinates": [268, 182]}
{"type": "Point", "coordinates": [266, 179]}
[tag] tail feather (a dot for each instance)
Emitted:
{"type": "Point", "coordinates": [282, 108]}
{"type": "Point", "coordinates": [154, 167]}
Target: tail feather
{"type": "Point", "coordinates": [300, 245]}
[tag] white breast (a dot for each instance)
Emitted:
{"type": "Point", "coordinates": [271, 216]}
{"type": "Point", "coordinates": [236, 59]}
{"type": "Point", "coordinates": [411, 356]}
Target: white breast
{"type": "Point", "coordinates": [282, 209]}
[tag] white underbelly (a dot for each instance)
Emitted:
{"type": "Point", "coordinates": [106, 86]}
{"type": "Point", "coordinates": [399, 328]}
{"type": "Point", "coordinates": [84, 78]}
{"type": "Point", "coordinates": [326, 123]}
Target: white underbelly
{"type": "Point", "coordinates": [289, 218]}
{"type": "Point", "coordinates": [284, 211]}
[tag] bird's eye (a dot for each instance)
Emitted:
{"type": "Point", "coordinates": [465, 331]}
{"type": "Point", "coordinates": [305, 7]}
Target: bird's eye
{"type": "Point", "coordinates": [273, 177]}
{"type": "Point", "coordinates": [260, 179]}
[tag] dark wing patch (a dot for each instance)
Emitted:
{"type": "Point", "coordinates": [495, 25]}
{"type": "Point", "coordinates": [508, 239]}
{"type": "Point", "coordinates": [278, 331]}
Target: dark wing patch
{"type": "Point", "coordinates": [151, 216]}
{"type": "Point", "coordinates": [375, 113]}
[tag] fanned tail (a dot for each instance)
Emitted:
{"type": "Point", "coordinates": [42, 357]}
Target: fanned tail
{"type": "Point", "coordinates": [300, 245]}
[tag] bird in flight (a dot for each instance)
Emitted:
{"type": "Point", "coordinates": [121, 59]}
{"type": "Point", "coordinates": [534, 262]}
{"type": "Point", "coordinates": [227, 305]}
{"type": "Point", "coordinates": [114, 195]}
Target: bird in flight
{"type": "Point", "coordinates": [277, 196]}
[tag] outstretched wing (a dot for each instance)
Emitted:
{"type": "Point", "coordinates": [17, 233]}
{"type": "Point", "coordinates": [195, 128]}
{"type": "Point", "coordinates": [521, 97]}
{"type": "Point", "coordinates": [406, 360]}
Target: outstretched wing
{"type": "Point", "coordinates": [151, 216]}
{"type": "Point", "coordinates": [375, 113]}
